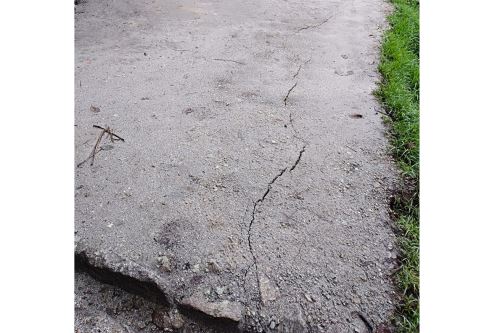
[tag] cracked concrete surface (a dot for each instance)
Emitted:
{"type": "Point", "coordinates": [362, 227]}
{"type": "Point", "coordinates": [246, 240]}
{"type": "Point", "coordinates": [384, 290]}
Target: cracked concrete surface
{"type": "Point", "coordinates": [245, 196]}
{"type": "Point", "coordinates": [250, 246]}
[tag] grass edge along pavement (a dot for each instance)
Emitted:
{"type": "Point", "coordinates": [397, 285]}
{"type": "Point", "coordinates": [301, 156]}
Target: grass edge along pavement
{"type": "Point", "coordinates": [399, 95]}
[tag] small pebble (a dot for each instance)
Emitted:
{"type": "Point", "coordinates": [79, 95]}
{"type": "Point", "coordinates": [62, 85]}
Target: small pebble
{"type": "Point", "coordinates": [165, 263]}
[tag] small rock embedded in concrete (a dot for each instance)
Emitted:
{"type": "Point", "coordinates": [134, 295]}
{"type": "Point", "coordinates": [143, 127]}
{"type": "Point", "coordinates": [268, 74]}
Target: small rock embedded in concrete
{"type": "Point", "coordinates": [165, 263]}
{"type": "Point", "coordinates": [176, 319]}
{"type": "Point", "coordinates": [94, 109]}
{"type": "Point", "coordinates": [220, 290]}
{"type": "Point", "coordinates": [269, 292]}
{"type": "Point", "coordinates": [272, 323]}
{"type": "Point", "coordinates": [212, 266]}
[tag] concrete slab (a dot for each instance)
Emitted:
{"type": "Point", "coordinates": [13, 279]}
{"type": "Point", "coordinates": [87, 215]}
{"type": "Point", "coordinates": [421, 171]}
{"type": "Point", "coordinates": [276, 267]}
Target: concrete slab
{"type": "Point", "coordinates": [251, 188]}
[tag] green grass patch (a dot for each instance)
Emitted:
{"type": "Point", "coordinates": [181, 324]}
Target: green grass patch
{"type": "Point", "coordinates": [399, 93]}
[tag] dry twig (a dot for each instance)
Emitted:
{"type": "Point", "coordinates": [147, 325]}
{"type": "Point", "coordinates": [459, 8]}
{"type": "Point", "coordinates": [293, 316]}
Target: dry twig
{"type": "Point", "coordinates": [112, 136]}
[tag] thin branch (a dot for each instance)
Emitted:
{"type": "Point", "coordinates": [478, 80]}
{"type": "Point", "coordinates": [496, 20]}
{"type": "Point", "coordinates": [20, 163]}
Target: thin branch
{"type": "Point", "coordinates": [112, 136]}
{"type": "Point", "coordinates": [386, 114]}
{"type": "Point", "coordinates": [108, 130]}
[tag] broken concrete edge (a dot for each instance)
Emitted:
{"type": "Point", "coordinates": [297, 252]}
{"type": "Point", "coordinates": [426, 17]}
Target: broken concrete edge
{"type": "Point", "coordinates": [225, 316]}
{"type": "Point", "coordinates": [112, 269]}
{"type": "Point", "coordinates": [225, 309]}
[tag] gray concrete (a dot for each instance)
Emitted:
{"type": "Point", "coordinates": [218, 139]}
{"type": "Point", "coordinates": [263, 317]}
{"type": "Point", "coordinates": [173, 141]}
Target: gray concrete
{"type": "Point", "coordinates": [247, 188]}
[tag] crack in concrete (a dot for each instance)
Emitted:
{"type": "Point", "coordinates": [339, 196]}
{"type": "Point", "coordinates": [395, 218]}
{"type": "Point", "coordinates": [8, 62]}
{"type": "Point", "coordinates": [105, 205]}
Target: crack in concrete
{"type": "Point", "coordinates": [285, 99]}
{"type": "Point", "coordinates": [300, 67]}
{"type": "Point", "coordinates": [290, 116]}
{"type": "Point", "coordinates": [257, 203]}
{"type": "Point", "coordinates": [268, 189]}
{"type": "Point", "coordinates": [298, 71]}
{"type": "Point", "coordinates": [315, 25]}
{"type": "Point", "coordinates": [298, 159]}
{"type": "Point", "coordinates": [288, 93]}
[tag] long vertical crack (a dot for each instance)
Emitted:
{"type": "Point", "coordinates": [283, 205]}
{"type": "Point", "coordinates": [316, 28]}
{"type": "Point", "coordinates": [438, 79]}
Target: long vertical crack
{"type": "Point", "coordinates": [285, 99]}
{"type": "Point", "coordinates": [268, 189]}
{"type": "Point", "coordinates": [256, 203]}
{"type": "Point", "coordinates": [290, 115]}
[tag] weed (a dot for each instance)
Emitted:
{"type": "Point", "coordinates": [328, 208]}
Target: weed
{"type": "Point", "coordinates": [399, 94]}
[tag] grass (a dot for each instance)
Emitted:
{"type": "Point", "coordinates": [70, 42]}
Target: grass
{"type": "Point", "coordinates": [399, 94]}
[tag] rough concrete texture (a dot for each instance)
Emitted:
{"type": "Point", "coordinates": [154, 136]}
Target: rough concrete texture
{"type": "Point", "coordinates": [251, 189]}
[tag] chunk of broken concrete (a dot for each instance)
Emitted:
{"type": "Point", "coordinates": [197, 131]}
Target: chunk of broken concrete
{"type": "Point", "coordinates": [224, 309]}
{"type": "Point", "coordinates": [268, 290]}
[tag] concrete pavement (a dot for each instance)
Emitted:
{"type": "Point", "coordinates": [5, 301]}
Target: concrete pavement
{"type": "Point", "coordinates": [251, 189]}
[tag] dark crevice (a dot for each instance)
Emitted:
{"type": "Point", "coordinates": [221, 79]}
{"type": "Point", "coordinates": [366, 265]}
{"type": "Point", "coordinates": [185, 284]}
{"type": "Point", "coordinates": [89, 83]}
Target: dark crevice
{"type": "Point", "coordinates": [147, 289]}
{"type": "Point", "coordinates": [204, 320]}
{"type": "Point", "coordinates": [150, 291]}
{"type": "Point", "coordinates": [298, 159]}
{"type": "Point", "coordinates": [291, 124]}
{"type": "Point", "coordinates": [298, 71]}
{"type": "Point", "coordinates": [250, 246]}
{"type": "Point", "coordinates": [256, 203]}
{"type": "Point", "coordinates": [288, 93]}
{"type": "Point", "coordinates": [369, 326]}
{"type": "Point", "coordinates": [285, 100]}
{"type": "Point", "coordinates": [269, 186]}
